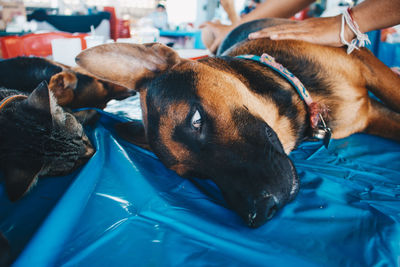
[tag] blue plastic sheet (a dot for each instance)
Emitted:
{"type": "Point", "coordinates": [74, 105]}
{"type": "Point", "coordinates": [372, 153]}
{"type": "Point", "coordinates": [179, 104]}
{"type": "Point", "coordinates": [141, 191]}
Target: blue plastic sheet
{"type": "Point", "coordinates": [124, 208]}
{"type": "Point", "coordinates": [389, 53]}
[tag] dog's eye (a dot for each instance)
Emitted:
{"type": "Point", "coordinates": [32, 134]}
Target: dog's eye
{"type": "Point", "coordinates": [196, 121]}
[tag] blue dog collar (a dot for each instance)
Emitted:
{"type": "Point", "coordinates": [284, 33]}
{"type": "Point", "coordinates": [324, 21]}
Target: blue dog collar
{"type": "Point", "coordinates": [320, 129]}
{"type": "Point", "coordinates": [284, 72]}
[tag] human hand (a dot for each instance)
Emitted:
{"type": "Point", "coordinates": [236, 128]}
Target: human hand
{"type": "Point", "coordinates": [324, 31]}
{"type": "Point", "coordinates": [213, 33]}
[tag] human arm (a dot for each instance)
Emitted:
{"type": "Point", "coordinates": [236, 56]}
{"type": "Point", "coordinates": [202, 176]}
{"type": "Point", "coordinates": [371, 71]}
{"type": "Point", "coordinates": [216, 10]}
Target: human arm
{"type": "Point", "coordinates": [215, 32]}
{"type": "Point", "coordinates": [229, 7]}
{"type": "Point", "coordinates": [276, 9]}
{"type": "Point", "coordinates": [369, 15]}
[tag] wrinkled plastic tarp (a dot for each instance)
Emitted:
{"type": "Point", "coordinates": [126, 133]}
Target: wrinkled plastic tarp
{"type": "Point", "coordinates": [124, 208]}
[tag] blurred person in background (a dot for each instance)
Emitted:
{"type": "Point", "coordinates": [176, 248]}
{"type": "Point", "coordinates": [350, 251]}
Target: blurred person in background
{"type": "Point", "coordinates": [249, 7]}
{"type": "Point", "coordinates": [159, 17]}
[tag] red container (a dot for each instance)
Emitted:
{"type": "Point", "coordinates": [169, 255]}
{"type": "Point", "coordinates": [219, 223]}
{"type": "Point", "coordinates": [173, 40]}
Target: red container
{"type": "Point", "coordinates": [34, 44]}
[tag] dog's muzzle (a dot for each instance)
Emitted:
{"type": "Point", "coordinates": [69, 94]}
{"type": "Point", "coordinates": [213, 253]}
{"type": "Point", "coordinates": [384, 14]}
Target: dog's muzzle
{"type": "Point", "coordinates": [264, 209]}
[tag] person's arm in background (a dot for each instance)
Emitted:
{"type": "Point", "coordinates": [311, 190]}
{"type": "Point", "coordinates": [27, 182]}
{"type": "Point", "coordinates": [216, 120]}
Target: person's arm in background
{"type": "Point", "coordinates": [369, 15]}
{"type": "Point", "coordinates": [229, 7]}
{"type": "Point", "coordinates": [276, 9]}
{"type": "Point", "coordinates": [216, 31]}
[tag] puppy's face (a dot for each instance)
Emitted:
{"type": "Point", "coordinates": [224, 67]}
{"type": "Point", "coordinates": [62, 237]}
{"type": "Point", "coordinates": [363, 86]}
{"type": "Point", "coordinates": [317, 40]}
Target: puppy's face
{"type": "Point", "coordinates": [77, 89]}
{"type": "Point", "coordinates": [205, 123]}
{"type": "Point", "coordinates": [198, 125]}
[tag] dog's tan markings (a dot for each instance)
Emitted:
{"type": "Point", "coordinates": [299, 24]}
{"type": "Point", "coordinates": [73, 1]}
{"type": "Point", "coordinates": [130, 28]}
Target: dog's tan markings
{"type": "Point", "coordinates": [349, 103]}
{"type": "Point", "coordinates": [63, 85]}
{"type": "Point", "coordinates": [175, 115]}
{"type": "Point", "coordinates": [219, 97]}
{"type": "Point", "coordinates": [351, 110]}
{"type": "Point", "coordinates": [350, 97]}
{"type": "Point", "coordinates": [383, 82]}
{"type": "Point", "coordinates": [347, 77]}
{"type": "Point", "coordinates": [181, 168]}
{"type": "Point", "coordinates": [222, 92]}
{"type": "Point", "coordinates": [382, 118]}
{"type": "Point", "coordinates": [351, 119]}
{"type": "Point", "coordinates": [143, 107]}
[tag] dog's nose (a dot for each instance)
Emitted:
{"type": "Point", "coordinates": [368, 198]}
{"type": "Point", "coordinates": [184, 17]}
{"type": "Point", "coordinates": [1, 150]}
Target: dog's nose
{"type": "Point", "coordinates": [263, 210]}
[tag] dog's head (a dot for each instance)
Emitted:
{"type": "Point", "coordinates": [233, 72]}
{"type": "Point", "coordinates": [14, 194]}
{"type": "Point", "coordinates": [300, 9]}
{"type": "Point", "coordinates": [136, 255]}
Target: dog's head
{"type": "Point", "coordinates": [203, 122]}
{"type": "Point", "coordinates": [73, 87]}
{"type": "Point", "coordinates": [76, 89]}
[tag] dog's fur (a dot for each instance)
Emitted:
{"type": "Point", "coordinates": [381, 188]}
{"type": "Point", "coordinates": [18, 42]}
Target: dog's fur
{"type": "Point", "coordinates": [235, 120]}
{"type": "Point", "coordinates": [73, 87]}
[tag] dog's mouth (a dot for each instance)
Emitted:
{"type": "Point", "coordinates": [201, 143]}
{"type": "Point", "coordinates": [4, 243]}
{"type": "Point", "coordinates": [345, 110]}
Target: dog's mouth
{"type": "Point", "coordinates": [266, 206]}
{"type": "Point", "coordinates": [285, 179]}
{"type": "Point", "coordinates": [295, 184]}
{"type": "Point", "coordinates": [273, 139]}
{"type": "Point", "coordinates": [263, 189]}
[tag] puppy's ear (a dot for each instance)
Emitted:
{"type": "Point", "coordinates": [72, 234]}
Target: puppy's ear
{"type": "Point", "coordinates": [128, 64]}
{"type": "Point", "coordinates": [63, 85]}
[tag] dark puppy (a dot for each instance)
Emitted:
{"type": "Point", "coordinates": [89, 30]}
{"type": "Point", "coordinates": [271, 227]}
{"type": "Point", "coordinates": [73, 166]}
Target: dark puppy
{"type": "Point", "coordinates": [234, 120]}
{"type": "Point", "coordinates": [72, 87]}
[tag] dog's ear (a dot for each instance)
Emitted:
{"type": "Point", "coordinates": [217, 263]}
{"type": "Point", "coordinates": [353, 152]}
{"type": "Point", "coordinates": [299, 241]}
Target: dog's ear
{"type": "Point", "coordinates": [133, 132]}
{"type": "Point", "coordinates": [128, 64]}
{"type": "Point", "coordinates": [63, 85]}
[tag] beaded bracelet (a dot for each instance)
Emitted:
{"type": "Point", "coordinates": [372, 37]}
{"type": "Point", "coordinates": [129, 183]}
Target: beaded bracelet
{"type": "Point", "coordinates": [361, 38]}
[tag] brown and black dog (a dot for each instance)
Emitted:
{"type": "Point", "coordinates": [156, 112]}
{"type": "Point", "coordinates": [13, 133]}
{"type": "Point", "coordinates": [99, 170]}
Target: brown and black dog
{"type": "Point", "coordinates": [235, 120]}
{"type": "Point", "coordinates": [73, 87]}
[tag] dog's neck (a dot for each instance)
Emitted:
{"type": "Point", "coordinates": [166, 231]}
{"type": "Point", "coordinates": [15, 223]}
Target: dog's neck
{"type": "Point", "coordinates": [268, 111]}
{"type": "Point", "coordinates": [316, 111]}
